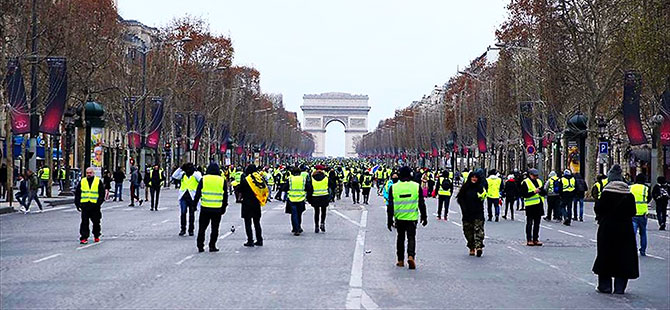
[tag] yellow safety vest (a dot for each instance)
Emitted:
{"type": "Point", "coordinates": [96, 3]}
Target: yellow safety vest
{"type": "Point", "coordinates": [465, 176]}
{"type": "Point", "coordinates": [494, 187]}
{"type": "Point", "coordinates": [89, 193]}
{"type": "Point", "coordinates": [61, 174]}
{"type": "Point", "coordinates": [600, 187]}
{"type": "Point", "coordinates": [296, 188]}
{"type": "Point", "coordinates": [441, 191]}
{"type": "Point", "coordinates": [380, 174]}
{"type": "Point", "coordinates": [320, 187]}
{"type": "Point", "coordinates": [535, 199]}
{"type": "Point", "coordinates": [45, 173]}
{"type": "Point", "coordinates": [188, 183]}
{"type": "Point", "coordinates": [151, 175]}
{"type": "Point", "coordinates": [550, 183]}
{"type": "Point", "coordinates": [271, 179]}
{"type": "Point", "coordinates": [367, 181]}
{"type": "Point", "coordinates": [641, 193]}
{"type": "Point", "coordinates": [406, 201]}
{"type": "Point", "coordinates": [568, 185]}
{"type": "Point", "coordinates": [237, 177]}
{"type": "Point", "coordinates": [212, 191]}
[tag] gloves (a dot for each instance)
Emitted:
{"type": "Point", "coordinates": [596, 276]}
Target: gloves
{"type": "Point", "coordinates": [389, 224]}
{"type": "Point", "coordinates": [424, 221]}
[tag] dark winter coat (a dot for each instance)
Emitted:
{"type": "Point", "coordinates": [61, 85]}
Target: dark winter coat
{"type": "Point", "coordinates": [617, 253]}
{"type": "Point", "coordinates": [660, 196]}
{"type": "Point", "coordinates": [251, 207]}
{"type": "Point", "coordinates": [580, 187]}
{"type": "Point", "coordinates": [320, 201]}
{"type": "Point", "coordinates": [472, 207]}
{"type": "Point", "coordinates": [511, 189]}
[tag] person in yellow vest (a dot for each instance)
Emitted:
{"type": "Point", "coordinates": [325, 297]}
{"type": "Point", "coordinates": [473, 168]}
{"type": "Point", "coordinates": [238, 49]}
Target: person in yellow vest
{"type": "Point", "coordinates": [380, 179]}
{"type": "Point", "coordinates": [89, 195]}
{"type": "Point", "coordinates": [597, 188]}
{"type": "Point", "coordinates": [345, 181]}
{"type": "Point", "coordinates": [156, 180]}
{"type": "Point", "coordinates": [406, 206]}
{"type": "Point", "coordinates": [213, 197]}
{"type": "Point", "coordinates": [319, 198]}
{"type": "Point", "coordinates": [255, 193]}
{"type": "Point", "coordinates": [270, 180]}
{"type": "Point", "coordinates": [567, 193]}
{"type": "Point", "coordinates": [464, 175]}
{"type": "Point", "coordinates": [61, 178]}
{"type": "Point", "coordinates": [43, 174]}
{"type": "Point", "coordinates": [237, 177]}
{"type": "Point", "coordinates": [494, 187]}
{"type": "Point", "coordinates": [471, 197]}
{"type": "Point", "coordinates": [189, 179]}
{"type": "Point", "coordinates": [553, 198]}
{"type": "Point", "coordinates": [444, 189]}
{"type": "Point", "coordinates": [532, 192]}
{"type": "Point", "coordinates": [298, 188]}
{"type": "Point", "coordinates": [366, 186]}
{"type": "Point", "coordinates": [642, 198]}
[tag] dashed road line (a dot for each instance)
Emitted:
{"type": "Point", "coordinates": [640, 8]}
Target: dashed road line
{"type": "Point", "coordinates": [457, 224]}
{"type": "Point", "coordinates": [56, 209]}
{"type": "Point", "coordinates": [569, 233]}
{"type": "Point", "coordinates": [514, 249]}
{"type": "Point", "coordinates": [346, 217]}
{"type": "Point", "coordinates": [656, 257]}
{"type": "Point", "coordinates": [47, 258]}
{"type": "Point", "coordinates": [89, 245]}
{"type": "Point", "coordinates": [184, 259]}
{"type": "Point", "coordinates": [546, 227]}
{"type": "Point", "coordinates": [165, 221]}
{"type": "Point", "coordinates": [355, 295]}
{"type": "Point", "coordinates": [661, 236]}
{"type": "Point", "coordinates": [593, 240]}
{"type": "Point", "coordinates": [546, 263]}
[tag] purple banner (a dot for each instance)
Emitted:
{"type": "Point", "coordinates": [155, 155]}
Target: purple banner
{"type": "Point", "coordinates": [131, 123]}
{"type": "Point", "coordinates": [526, 110]}
{"type": "Point", "coordinates": [154, 133]}
{"type": "Point", "coordinates": [53, 113]}
{"type": "Point", "coordinates": [16, 91]}
{"type": "Point", "coordinates": [631, 108]}
{"type": "Point", "coordinates": [665, 111]}
{"type": "Point", "coordinates": [481, 134]}
{"type": "Point", "coordinates": [199, 129]}
{"type": "Point", "coordinates": [223, 139]}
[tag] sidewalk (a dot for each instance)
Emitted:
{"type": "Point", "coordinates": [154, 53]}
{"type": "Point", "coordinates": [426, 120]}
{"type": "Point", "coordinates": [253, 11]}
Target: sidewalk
{"type": "Point", "coordinates": [47, 203]}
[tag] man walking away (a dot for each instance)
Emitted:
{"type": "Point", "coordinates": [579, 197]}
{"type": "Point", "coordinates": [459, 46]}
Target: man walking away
{"type": "Point", "coordinates": [88, 197]}
{"type": "Point", "coordinates": [444, 189]}
{"type": "Point", "coordinates": [298, 189]}
{"type": "Point", "coordinates": [661, 197]}
{"type": "Point", "coordinates": [119, 177]}
{"type": "Point", "coordinates": [553, 199]}
{"type": "Point", "coordinates": [580, 190]}
{"type": "Point", "coordinates": [135, 184]}
{"type": "Point", "coordinates": [155, 181]}
{"type": "Point", "coordinates": [511, 193]}
{"type": "Point", "coordinates": [642, 198]}
{"type": "Point", "coordinates": [366, 185]}
{"type": "Point", "coordinates": [493, 194]}
{"type": "Point", "coordinates": [213, 197]}
{"type": "Point", "coordinates": [567, 193]}
{"type": "Point", "coordinates": [405, 203]}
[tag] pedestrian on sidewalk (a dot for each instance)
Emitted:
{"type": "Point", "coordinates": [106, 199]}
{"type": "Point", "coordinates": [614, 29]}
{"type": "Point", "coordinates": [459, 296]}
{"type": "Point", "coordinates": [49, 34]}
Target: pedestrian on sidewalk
{"type": "Point", "coordinates": [444, 189]}
{"type": "Point", "coordinates": [580, 190]}
{"type": "Point", "coordinates": [189, 180]}
{"type": "Point", "coordinates": [89, 195]}
{"type": "Point", "coordinates": [33, 187]}
{"type": "Point", "coordinates": [298, 189]}
{"type": "Point", "coordinates": [642, 198]}
{"type": "Point", "coordinates": [405, 203]}
{"type": "Point", "coordinates": [3, 182]}
{"type": "Point", "coordinates": [254, 192]}
{"type": "Point", "coordinates": [107, 181]}
{"type": "Point", "coordinates": [616, 254]}
{"type": "Point", "coordinates": [212, 194]}
{"type": "Point", "coordinates": [661, 197]}
{"type": "Point", "coordinates": [511, 192]}
{"type": "Point", "coordinates": [471, 199]}
{"type": "Point", "coordinates": [532, 192]}
{"type": "Point", "coordinates": [319, 198]}
{"type": "Point", "coordinates": [22, 194]}
{"type": "Point", "coordinates": [119, 177]}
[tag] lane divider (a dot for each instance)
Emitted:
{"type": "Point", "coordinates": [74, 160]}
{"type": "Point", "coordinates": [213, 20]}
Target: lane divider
{"type": "Point", "coordinates": [47, 258]}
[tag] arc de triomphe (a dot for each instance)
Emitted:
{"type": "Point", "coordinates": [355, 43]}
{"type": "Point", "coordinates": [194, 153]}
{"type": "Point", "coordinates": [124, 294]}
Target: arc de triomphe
{"type": "Point", "coordinates": [350, 110]}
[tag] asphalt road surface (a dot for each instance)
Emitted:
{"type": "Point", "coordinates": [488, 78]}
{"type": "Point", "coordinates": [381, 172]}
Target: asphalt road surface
{"type": "Point", "coordinates": [141, 262]}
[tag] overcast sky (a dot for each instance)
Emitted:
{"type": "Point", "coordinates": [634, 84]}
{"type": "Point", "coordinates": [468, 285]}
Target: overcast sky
{"type": "Point", "coordinates": [392, 51]}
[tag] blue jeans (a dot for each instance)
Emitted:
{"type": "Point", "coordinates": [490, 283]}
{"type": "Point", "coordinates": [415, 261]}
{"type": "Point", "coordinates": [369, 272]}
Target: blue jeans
{"type": "Point", "coordinates": [296, 217]}
{"type": "Point", "coordinates": [575, 202]}
{"type": "Point", "coordinates": [640, 222]}
{"type": "Point", "coordinates": [118, 191]}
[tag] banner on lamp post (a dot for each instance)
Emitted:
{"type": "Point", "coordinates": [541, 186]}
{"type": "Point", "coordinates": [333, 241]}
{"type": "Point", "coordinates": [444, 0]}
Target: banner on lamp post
{"type": "Point", "coordinates": [526, 109]}
{"type": "Point", "coordinates": [631, 108]}
{"type": "Point", "coordinates": [665, 111]}
{"type": "Point", "coordinates": [16, 91]}
{"type": "Point", "coordinates": [199, 129]}
{"type": "Point", "coordinates": [154, 132]}
{"type": "Point", "coordinates": [57, 95]}
{"type": "Point", "coordinates": [481, 135]}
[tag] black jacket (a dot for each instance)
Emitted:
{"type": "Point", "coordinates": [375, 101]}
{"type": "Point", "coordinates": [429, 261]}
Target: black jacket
{"type": "Point", "coordinates": [422, 205]}
{"type": "Point", "coordinates": [77, 195]}
{"type": "Point", "coordinates": [536, 209]}
{"type": "Point", "coordinates": [472, 207]}
{"type": "Point", "coordinates": [661, 197]}
{"type": "Point", "coordinates": [251, 207]}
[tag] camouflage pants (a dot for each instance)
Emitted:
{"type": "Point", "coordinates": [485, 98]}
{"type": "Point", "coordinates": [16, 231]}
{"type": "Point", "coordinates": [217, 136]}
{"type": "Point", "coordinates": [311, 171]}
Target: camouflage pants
{"type": "Point", "coordinates": [474, 233]}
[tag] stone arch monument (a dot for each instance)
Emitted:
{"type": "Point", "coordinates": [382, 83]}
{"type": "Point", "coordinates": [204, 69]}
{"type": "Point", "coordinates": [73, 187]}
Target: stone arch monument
{"type": "Point", "coordinates": [350, 110]}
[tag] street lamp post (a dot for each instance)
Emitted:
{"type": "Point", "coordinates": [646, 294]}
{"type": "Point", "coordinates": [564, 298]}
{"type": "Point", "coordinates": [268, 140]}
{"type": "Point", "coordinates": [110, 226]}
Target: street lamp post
{"type": "Point", "coordinates": [69, 131]}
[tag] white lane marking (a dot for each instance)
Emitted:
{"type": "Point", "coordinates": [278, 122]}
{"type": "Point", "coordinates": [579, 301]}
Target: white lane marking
{"type": "Point", "coordinates": [457, 224]}
{"type": "Point", "coordinates": [452, 211]}
{"type": "Point", "coordinates": [569, 233]}
{"type": "Point", "coordinates": [589, 215]}
{"type": "Point", "coordinates": [278, 208]}
{"type": "Point", "coordinates": [3, 240]}
{"type": "Point", "coordinates": [71, 210]}
{"type": "Point", "coordinates": [546, 263]}
{"type": "Point", "coordinates": [593, 240]}
{"type": "Point", "coordinates": [165, 221]}
{"type": "Point", "coordinates": [354, 297]}
{"type": "Point", "coordinates": [226, 234]}
{"type": "Point", "coordinates": [367, 302]}
{"type": "Point", "coordinates": [346, 217]}
{"type": "Point", "coordinates": [184, 259]}
{"type": "Point", "coordinates": [56, 209]}
{"type": "Point", "coordinates": [89, 245]}
{"type": "Point", "coordinates": [48, 257]}
{"type": "Point", "coordinates": [656, 257]}
{"type": "Point", "coordinates": [546, 227]}
{"type": "Point", "coordinates": [520, 220]}
{"type": "Point", "coordinates": [514, 249]}
{"type": "Point", "coordinates": [661, 236]}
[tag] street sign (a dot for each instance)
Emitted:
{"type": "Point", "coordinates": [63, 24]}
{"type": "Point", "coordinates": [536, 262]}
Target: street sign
{"type": "Point", "coordinates": [530, 149]}
{"type": "Point", "coordinates": [603, 147]}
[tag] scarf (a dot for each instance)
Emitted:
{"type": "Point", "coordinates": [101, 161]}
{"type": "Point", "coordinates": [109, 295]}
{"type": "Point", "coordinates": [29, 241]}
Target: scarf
{"type": "Point", "coordinates": [258, 186]}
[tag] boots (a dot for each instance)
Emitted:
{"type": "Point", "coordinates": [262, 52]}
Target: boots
{"type": "Point", "coordinates": [411, 263]}
{"type": "Point", "coordinates": [323, 227]}
{"type": "Point", "coordinates": [400, 263]}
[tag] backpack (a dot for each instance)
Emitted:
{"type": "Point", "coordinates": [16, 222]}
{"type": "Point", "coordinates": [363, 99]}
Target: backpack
{"type": "Point", "coordinates": [354, 179]}
{"type": "Point", "coordinates": [445, 184]}
{"type": "Point", "coordinates": [557, 185]}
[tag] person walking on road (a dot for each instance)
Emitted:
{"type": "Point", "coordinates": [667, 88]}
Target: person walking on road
{"type": "Point", "coordinates": [107, 181]}
{"type": "Point", "coordinates": [135, 184]}
{"type": "Point", "coordinates": [580, 190]}
{"type": "Point", "coordinates": [567, 193]}
{"type": "Point", "coordinates": [89, 195]}
{"type": "Point", "coordinates": [189, 179]}
{"type": "Point", "coordinates": [661, 195]}
{"type": "Point", "coordinates": [471, 199]}
{"type": "Point", "coordinates": [366, 185]}
{"type": "Point", "coordinates": [254, 192]}
{"type": "Point", "coordinates": [319, 198]}
{"type": "Point", "coordinates": [33, 187]}
{"type": "Point", "coordinates": [3, 182]}
{"type": "Point", "coordinates": [616, 254]}
{"type": "Point", "coordinates": [406, 204]}
{"type": "Point", "coordinates": [355, 185]}
{"type": "Point", "coordinates": [597, 188]}
{"type": "Point", "coordinates": [213, 197]}
{"type": "Point", "coordinates": [553, 199]}
{"type": "Point", "coordinates": [444, 189]}
{"type": "Point", "coordinates": [119, 177]}
{"type": "Point", "coordinates": [494, 187]}
{"type": "Point", "coordinates": [298, 189]}
{"type": "Point", "coordinates": [511, 191]}
{"type": "Point", "coordinates": [156, 179]}
{"type": "Point", "coordinates": [532, 192]}
{"type": "Point", "coordinates": [642, 198]}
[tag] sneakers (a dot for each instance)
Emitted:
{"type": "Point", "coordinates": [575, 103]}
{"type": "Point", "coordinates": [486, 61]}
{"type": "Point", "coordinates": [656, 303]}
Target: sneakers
{"type": "Point", "coordinates": [249, 244]}
{"type": "Point", "coordinates": [537, 243]}
{"type": "Point", "coordinates": [96, 240]}
{"type": "Point", "coordinates": [258, 243]}
{"type": "Point", "coordinates": [472, 252]}
{"type": "Point", "coordinates": [181, 233]}
{"type": "Point", "coordinates": [40, 211]}
{"type": "Point", "coordinates": [323, 227]}
{"type": "Point", "coordinates": [83, 241]}
{"type": "Point", "coordinates": [400, 263]}
{"type": "Point", "coordinates": [479, 252]}
{"type": "Point", "coordinates": [410, 262]}
{"type": "Point", "coordinates": [530, 243]}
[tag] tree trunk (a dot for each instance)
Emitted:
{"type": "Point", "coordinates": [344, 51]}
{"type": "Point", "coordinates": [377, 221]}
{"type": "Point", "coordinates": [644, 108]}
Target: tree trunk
{"type": "Point", "coordinates": [591, 169]}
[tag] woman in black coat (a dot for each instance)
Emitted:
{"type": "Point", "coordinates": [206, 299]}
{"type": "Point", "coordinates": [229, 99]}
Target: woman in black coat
{"type": "Point", "coordinates": [319, 203]}
{"type": "Point", "coordinates": [471, 198]}
{"type": "Point", "coordinates": [251, 209]}
{"type": "Point", "coordinates": [617, 253]}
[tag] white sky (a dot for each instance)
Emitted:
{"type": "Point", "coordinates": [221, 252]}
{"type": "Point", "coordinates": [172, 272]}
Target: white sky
{"type": "Point", "coordinates": [393, 51]}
